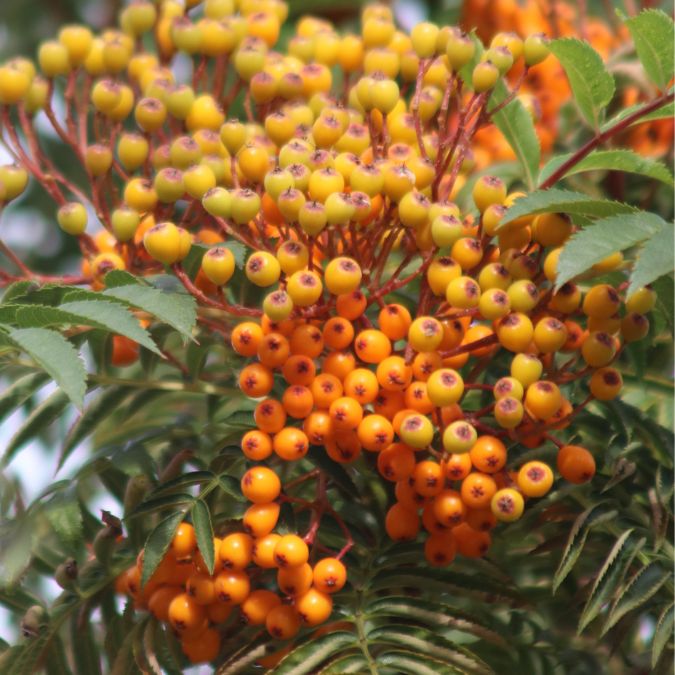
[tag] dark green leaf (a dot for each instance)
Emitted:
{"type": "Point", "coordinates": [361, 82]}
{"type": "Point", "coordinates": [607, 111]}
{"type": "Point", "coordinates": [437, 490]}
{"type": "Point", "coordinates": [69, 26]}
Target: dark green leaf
{"type": "Point", "coordinates": [56, 356]}
{"type": "Point", "coordinates": [609, 577]}
{"type": "Point", "coordinates": [430, 644]}
{"type": "Point", "coordinates": [642, 586]}
{"type": "Point", "coordinates": [627, 161]}
{"type": "Point", "coordinates": [608, 235]}
{"type": "Point", "coordinates": [201, 519]}
{"type": "Point", "coordinates": [86, 654]}
{"type": "Point", "coordinates": [517, 127]}
{"type": "Point", "coordinates": [39, 419]}
{"type": "Point", "coordinates": [594, 515]}
{"type": "Point", "coordinates": [555, 200]}
{"type": "Point", "coordinates": [653, 33]}
{"type": "Point", "coordinates": [663, 633]}
{"type": "Point", "coordinates": [158, 543]}
{"type": "Point", "coordinates": [176, 309]}
{"type": "Point", "coordinates": [592, 85]}
{"type": "Point", "coordinates": [64, 515]}
{"type": "Point", "coordinates": [655, 259]}
{"type": "Point", "coordinates": [415, 663]}
{"type": "Point", "coordinates": [19, 391]}
{"type": "Point", "coordinates": [308, 657]}
{"type": "Point", "coordinates": [97, 411]}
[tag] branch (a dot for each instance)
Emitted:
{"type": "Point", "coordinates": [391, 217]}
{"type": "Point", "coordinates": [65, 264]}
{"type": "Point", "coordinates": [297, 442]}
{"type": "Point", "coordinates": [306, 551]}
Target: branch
{"type": "Point", "coordinates": [592, 143]}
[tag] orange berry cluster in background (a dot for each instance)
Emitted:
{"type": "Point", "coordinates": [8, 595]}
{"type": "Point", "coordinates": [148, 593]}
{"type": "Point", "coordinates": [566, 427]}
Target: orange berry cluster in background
{"type": "Point", "coordinates": [183, 594]}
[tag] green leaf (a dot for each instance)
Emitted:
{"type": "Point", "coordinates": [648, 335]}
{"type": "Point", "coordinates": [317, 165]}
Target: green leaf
{"type": "Point", "coordinates": [609, 577]}
{"type": "Point", "coordinates": [555, 200]}
{"type": "Point", "coordinates": [98, 313]}
{"type": "Point", "coordinates": [653, 33]}
{"type": "Point", "coordinates": [20, 391]}
{"type": "Point", "coordinates": [65, 516]}
{"type": "Point", "coordinates": [663, 633]}
{"type": "Point", "coordinates": [305, 659]}
{"type": "Point", "coordinates": [655, 259]}
{"type": "Point", "coordinates": [114, 318]}
{"type": "Point", "coordinates": [430, 644]}
{"type": "Point", "coordinates": [86, 655]}
{"type": "Point", "coordinates": [414, 663]}
{"type": "Point", "coordinates": [642, 586]}
{"type": "Point", "coordinates": [606, 236]}
{"type": "Point", "coordinates": [591, 83]}
{"type": "Point", "coordinates": [433, 614]}
{"type": "Point", "coordinates": [517, 127]}
{"type": "Point", "coordinates": [665, 112]}
{"type": "Point", "coordinates": [594, 515]}
{"type": "Point", "coordinates": [624, 160]}
{"type": "Point", "coordinates": [93, 415]}
{"type": "Point", "coordinates": [665, 301]}
{"type": "Point", "coordinates": [35, 423]}
{"type": "Point", "coordinates": [158, 543]}
{"type": "Point", "coordinates": [201, 519]}
{"type": "Point", "coordinates": [175, 309]}
{"type": "Point", "coordinates": [56, 356]}
{"type": "Point", "coordinates": [17, 289]}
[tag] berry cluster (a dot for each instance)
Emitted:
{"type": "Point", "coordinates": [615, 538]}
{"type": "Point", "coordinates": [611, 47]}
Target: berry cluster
{"type": "Point", "coordinates": [340, 190]}
{"type": "Point", "coordinates": [183, 594]}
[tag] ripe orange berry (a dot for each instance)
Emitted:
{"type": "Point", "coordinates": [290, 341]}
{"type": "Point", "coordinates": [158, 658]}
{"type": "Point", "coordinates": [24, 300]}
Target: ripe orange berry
{"type": "Point", "coordinates": [246, 338]}
{"type": "Point", "coordinates": [298, 401]}
{"type": "Point", "coordinates": [477, 490]}
{"type": "Point", "coordinates": [457, 466]}
{"type": "Point", "coordinates": [393, 374]}
{"type": "Point", "coordinates": [345, 413]}
{"type": "Point", "coordinates": [260, 485]}
{"type": "Point", "coordinates": [203, 647]}
{"type": "Point", "coordinates": [232, 586]}
{"type": "Point", "coordinates": [270, 416]}
{"type": "Point", "coordinates": [236, 551]}
{"type": "Point", "coordinates": [372, 346]}
{"type": "Point", "coordinates": [256, 380]}
{"type": "Point", "coordinates": [361, 385]}
{"type": "Point", "coordinates": [440, 549]}
{"type": "Point", "coordinates": [351, 305]}
{"type": "Point", "coordinates": [428, 478]}
{"type": "Point", "coordinates": [543, 399]}
{"type": "Point", "coordinates": [394, 321]}
{"type": "Point", "coordinates": [184, 542]}
{"type": "Point", "coordinates": [329, 575]}
{"type": "Point", "coordinates": [185, 613]}
{"type": "Point", "coordinates": [606, 384]}
{"type": "Point", "coordinates": [306, 340]}
{"type": "Point", "coordinates": [396, 462]}
{"type": "Point", "coordinates": [449, 508]}
{"type": "Point", "coordinates": [283, 622]}
{"type": "Point", "coordinates": [375, 432]}
{"type": "Point", "coordinates": [290, 551]}
{"type": "Point", "coordinates": [575, 464]}
{"type": "Point", "coordinates": [314, 607]}
{"type": "Point", "coordinates": [257, 606]}
{"type": "Point", "coordinates": [401, 523]}
{"type": "Point", "coordinates": [471, 543]}
{"type": "Point", "coordinates": [343, 447]}
{"type": "Point", "coordinates": [260, 519]}
{"type": "Point", "coordinates": [338, 333]}
{"type": "Point", "coordinates": [201, 589]}
{"type": "Point", "coordinates": [296, 580]}
{"type": "Point", "coordinates": [488, 454]}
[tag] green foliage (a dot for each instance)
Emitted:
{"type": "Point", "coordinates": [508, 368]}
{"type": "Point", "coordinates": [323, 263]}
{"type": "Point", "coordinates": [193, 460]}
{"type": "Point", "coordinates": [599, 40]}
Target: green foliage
{"type": "Point", "coordinates": [626, 161]}
{"type": "Point", "coordinates": [517, 126]}
{"type": "Point", "coordinates": [654, 35]}
{"type": "Point", "coordinates": [592, 85]}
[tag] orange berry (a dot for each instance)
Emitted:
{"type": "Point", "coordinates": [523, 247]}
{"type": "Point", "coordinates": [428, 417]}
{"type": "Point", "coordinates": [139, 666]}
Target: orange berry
{"type": "Point", "coordinates": [535, 479]}
{"type": "Point", "coordinates": [477, 490]}
{"type": "Point", "coordinates": [575, 464]}
{"type": "Point", "coordinates": [329, 575]}
{"type": "Point", "coordinates": [401, 523]}
{"type": "Point", "coordinates": [296, 580]}
{"type": "Point", "coordinates": [260, 485]}
{"type": "Point", "coordinates": [488, 454]}
{"type": "Point", "coordinates": [314, 607]}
